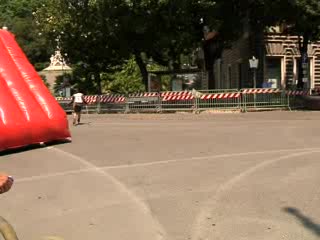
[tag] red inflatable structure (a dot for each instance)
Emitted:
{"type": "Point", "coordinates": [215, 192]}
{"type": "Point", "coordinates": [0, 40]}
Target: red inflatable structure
{"type": "Point", "coordinates": [29, 114]}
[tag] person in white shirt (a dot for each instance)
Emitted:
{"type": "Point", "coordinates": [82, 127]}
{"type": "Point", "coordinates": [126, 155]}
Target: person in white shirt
{"type": "Point", "coordinates": [78, 101]}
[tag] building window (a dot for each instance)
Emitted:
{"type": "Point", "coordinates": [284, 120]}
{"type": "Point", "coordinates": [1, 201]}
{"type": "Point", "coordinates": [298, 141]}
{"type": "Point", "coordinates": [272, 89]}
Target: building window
{"type": "Point", "coordinates": [307, 71]}
{"type": "Point", "coordinates": [273, 73]}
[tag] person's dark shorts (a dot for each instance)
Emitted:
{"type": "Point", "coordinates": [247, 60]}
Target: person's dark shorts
{"type": "Point", "coordinates": [77, 108]}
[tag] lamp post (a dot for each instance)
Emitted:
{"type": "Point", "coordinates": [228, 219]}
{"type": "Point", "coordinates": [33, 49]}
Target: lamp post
{"type": "Point", "coordinates": [254, 63]}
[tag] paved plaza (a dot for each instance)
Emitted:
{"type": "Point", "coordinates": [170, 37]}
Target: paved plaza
{"type": "Point", "coordinates": [180, 176]}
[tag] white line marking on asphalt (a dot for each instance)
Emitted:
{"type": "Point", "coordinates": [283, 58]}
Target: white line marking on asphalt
{"type": "Point", "coordinates": [159, 230]}
{"type": "Point", "coordinates": [50, 175]}
{"type": "Point", "coordinates": [207, 157]}
{"type": "Point", "coordinates": [200, 227]}
{"type": "Point", "coordinates": [210, 157]}
{"type": "Point", "coordinates": [187, 122]}
{"type": "Point", "coordinates": [183, 124]}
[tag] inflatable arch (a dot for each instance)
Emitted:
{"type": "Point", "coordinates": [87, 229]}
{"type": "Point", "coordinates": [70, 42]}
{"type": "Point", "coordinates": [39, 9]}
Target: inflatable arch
{"type": "Point", "coordinates": [29, 114]}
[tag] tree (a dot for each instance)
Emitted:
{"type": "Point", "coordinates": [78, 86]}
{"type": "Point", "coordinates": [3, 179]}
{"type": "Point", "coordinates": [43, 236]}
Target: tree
{"type": "Point", "coordinates": [84, 32]}
{"type": "Point", "coordinates": [103, 33]}
{"type": "Point", "coordinates": [222, 25]}
{"type": "Point", "coordinates": [164, 31]}
{"type": "Point", "coordinates": [18, 17]}
{"type": "Point", "coordinates": [126, 81]}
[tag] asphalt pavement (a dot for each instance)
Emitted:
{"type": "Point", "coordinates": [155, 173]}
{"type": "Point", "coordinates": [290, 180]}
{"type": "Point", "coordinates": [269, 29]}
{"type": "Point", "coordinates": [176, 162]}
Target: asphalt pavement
{"type": "Point", "coordinates": [221, 176]}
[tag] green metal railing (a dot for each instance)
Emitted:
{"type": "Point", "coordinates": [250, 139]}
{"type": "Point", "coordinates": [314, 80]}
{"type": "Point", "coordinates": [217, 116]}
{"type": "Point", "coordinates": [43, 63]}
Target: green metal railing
{"type": "Point", "coordinates": [262, 99]}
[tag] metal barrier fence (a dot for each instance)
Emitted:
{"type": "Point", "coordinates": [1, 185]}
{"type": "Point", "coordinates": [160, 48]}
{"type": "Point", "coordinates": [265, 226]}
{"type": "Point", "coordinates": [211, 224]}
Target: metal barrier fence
{"type": "Point", "coordinates": [64, 103]}
{"type": "Point", "coordinates": [228, 99]}
{"type": "Point", "coordinates": [177, 101]}
{"type": "Point", "coordinates": [221, 99]}
{"type": "Point", "coordinates": [110, 103]}
{"type": "Point", "coordinates": [258, 99]}
{"type": "Point", "coordinates": [296, 98]}
{"type": "Point", "coordinates": [143, 102]}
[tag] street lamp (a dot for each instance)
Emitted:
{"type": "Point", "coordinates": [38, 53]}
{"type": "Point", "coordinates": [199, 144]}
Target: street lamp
{"type": "Point", "coordinates": [254, 63]}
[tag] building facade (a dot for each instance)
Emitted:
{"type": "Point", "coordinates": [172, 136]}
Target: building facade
{"type": "Point", "coordinates": [57, 67]}
{"type": "Point", "coordinates": [278, 56]}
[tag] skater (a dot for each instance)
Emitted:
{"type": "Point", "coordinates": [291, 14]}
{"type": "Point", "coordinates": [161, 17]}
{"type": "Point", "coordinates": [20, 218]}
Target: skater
{"type": "Point", "coordinates": [77, 101]}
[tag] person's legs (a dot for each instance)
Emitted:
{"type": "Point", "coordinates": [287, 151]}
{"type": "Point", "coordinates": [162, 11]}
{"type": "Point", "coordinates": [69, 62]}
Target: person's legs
{"type": "Point", "coordinates": [79, 116]}
{"type": "Point", "coordinates": [74, 118]}
{"type": "Point", "coordinates": [74, 113]}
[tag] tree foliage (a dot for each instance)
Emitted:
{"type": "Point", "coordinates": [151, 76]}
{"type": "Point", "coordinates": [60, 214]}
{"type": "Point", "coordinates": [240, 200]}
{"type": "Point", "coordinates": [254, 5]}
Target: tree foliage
{"type": "Point", "coordinates": [18, 17]}
{"type": "Point", "coordinates": [102, 36]}
{"type": "Point", "coordinates": [104, 33]}
{"type": "Point", "coordinates": [127, 80]}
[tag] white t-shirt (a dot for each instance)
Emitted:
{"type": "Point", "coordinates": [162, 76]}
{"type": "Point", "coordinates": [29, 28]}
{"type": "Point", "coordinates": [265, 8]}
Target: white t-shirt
{"type": "Point", "coordinates": [78, 98]}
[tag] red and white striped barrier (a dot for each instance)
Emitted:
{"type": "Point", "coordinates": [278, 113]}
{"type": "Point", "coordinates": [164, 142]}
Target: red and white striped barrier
{"type": "Point", "coordinates": [220, 96]}
{"type": "Point", "coordinates": [63, 99]}
{"type": "Point", "coordinates": [94, 99]}
{"type": "Point", "coordinates": [186, 95]}
{"type": "Point", "coordinates": [91, 99]}
{"type": "Point", "coordinates": [112, 99]}
{"type": "Point", "coordinates": [182, 93]}
{"type": "Point", "coordinates": [260, 90]}
{"type": "Point", "coordinates": [176, 96]}
{"type": "Point", "coordinates": [146, 94]}
{"type": "Point", "coordinates": [269, 91]}
{"type": "Point", "coordinates": [298, 92]}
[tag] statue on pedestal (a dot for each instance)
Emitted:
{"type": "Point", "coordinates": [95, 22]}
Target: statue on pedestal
{"type": "Point", "coordinates": [57, 59]}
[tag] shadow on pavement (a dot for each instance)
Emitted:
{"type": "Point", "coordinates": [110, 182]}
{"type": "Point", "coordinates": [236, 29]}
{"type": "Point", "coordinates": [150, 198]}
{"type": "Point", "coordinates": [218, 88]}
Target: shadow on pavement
{"type": "Point", "coordinates": [84, 123]}
{"type": "Point", "coordinates": [32, 147]}
{"type": "Point", "coordinates": [306, 221]}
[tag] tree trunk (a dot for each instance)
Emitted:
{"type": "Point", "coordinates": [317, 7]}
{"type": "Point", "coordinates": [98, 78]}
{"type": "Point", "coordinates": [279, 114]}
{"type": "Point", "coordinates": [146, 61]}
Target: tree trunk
{"type": "Point", "coordinates": [143, 70]}
{"type": "Point", "coordinates": [176, 66]}
{"type": "Point", "coordinates": [211, 79]}
{"type": "Point", "coordinates": [212, 51]}
{"type": "Point", "coordinates": [98, 81]}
